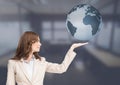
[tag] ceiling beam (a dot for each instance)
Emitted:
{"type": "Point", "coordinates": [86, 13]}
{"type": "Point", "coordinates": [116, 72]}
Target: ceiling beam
{"type": "Point", "coordinates": [27, 6]}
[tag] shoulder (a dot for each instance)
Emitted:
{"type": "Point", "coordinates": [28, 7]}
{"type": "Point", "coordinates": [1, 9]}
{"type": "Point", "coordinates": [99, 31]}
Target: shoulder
{"type": "Point", "coordinates": [11, 61]}
{"type": "Point", "coordinates": [43, 59]}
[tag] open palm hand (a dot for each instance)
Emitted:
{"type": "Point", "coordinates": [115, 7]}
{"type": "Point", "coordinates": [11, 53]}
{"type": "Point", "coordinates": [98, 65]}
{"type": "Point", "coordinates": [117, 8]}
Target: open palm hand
{"type": "Point", "coordinates": [75, 45]}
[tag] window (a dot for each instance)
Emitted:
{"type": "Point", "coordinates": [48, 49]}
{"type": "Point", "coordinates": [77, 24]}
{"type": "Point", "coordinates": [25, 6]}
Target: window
{"type": "Point", "coordinates": [55, 32]}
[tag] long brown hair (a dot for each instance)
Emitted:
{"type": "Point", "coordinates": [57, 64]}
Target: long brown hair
{"type": "Point", "coordinates": [24, 46]}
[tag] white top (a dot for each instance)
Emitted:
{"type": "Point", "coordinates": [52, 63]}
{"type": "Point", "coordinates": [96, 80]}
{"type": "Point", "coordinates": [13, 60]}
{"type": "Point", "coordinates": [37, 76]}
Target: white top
{"type": "Point", "coordinates": [29, 66]}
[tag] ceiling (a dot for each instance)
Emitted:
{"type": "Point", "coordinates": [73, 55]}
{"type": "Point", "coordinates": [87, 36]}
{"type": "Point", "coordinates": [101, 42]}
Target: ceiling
{"type": "Point", "coordinates": [55, 6]}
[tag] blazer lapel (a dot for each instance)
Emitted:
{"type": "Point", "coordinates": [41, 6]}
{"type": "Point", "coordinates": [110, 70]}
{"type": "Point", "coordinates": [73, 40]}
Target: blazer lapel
{"type": "Point", "coordinates": [24, 71]}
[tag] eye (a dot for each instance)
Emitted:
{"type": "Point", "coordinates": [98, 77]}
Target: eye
{"type": "Point", "coordinates": [38, 41]}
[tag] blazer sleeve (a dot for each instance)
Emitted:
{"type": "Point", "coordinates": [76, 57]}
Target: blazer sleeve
{"type": "Point", "coordinates": [61, 68]}
{"type": "Point", "coordinates": [10, 73]}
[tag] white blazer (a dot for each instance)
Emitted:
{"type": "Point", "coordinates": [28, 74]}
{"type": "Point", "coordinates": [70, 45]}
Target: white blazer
{"type": "Point", "coordinates": [17, 73]}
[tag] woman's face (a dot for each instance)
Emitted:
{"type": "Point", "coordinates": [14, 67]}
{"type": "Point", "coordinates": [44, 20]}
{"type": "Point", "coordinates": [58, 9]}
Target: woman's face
{"type": "Point", "coordinates": [36, 46]}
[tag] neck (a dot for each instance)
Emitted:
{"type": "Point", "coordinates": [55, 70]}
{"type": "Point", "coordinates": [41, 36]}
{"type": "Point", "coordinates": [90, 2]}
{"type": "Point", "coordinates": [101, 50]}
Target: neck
{"type": "Point", "coordinates": [30, 56]}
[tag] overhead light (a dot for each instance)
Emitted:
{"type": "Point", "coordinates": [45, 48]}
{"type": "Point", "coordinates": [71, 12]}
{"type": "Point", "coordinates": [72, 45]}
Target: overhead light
{"type": "Point", "coordinates": [43, 1]}
{"type": "Point", "coordinates": [40, 2]}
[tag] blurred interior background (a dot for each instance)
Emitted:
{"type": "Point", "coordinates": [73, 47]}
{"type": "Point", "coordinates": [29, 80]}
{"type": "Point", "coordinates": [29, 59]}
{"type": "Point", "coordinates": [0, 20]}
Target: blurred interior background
{"type": "Point", "coordinates": [97, 63]}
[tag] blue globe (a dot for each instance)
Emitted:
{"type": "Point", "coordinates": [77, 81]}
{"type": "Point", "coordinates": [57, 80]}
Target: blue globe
{"type": "Point", "coordinates": [83, 22]}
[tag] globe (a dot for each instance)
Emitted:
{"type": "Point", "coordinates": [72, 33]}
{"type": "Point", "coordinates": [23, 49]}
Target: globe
{"type": "Point", "coordinates": [83, 22]}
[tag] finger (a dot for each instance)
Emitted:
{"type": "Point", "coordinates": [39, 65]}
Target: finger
{"type": "Point", "coordinates": [84, 43]}
{"type": "Point", "coordinates": [80, 44]}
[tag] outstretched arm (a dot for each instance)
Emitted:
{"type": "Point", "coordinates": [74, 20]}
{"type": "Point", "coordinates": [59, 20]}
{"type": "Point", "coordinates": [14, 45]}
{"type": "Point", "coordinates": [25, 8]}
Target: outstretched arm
{"type": "Point", "coordinates": [61, 68]}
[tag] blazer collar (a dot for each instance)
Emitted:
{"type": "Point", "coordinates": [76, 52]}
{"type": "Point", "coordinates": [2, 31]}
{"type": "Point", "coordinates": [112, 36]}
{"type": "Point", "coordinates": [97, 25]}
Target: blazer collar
{"type": "Point", "coordinates": [22, 59]}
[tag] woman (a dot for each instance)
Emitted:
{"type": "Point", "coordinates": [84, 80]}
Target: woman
{"type": "Point", "coordinates": [28, 68]}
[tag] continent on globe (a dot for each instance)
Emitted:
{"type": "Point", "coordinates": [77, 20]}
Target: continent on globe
{"type": "Point", "coordinates": [90, 20]}
{"type": "Point", "coordinates": [73, 30]}
{"type": "Point", "coordinates": [83, 22]}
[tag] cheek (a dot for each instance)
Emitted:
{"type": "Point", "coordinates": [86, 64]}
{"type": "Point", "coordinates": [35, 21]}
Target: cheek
{"type": "Point", "coordinates": [34, 46]}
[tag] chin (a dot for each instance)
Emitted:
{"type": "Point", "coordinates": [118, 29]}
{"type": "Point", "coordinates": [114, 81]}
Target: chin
{"type": "Point", "coordinates": [36, 50]}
